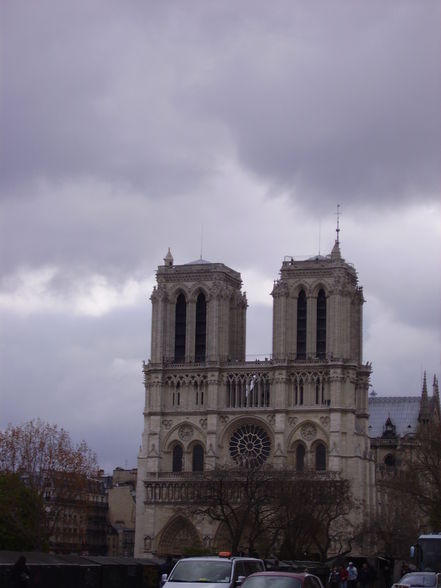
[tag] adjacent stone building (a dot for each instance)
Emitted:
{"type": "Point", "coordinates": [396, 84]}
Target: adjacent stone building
{"type": "Point", "coordinates": [122, 500]}
{"type": "Point", "coordinates": [394, 423]}
{"type": "Point", "coordinates": [207, 407]}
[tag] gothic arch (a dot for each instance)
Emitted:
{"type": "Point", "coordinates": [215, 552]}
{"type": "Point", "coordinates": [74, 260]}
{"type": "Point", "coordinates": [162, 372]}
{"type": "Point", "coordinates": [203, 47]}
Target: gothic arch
{"type": "Point", "coordinates": [178, 532]}
{"type": "Point", "coordinates": [243, 420]}
{"type": "Point", "coordinates": [197, 453]}
{"type": "Point", "coordinates": [180, 327]}
{"type": "Point", "coordinates": [174, 436]}
{"type": "Point", "coordinates": [298, 453]}
{"type": "Point", "coordinates": [298, 288]}
{"type": "Point", "coordinates": [177, 458]}
{"type": "Point", "coordinates": [320, 454]}
{"type": "Point", "coordinates": [320, 285]}
{"type": "Point", "coordinates": [196, 290]}
{"type": "Point", "coordinates": [174, 294]}
{"type": "Point", "coordinates": [303, 432]}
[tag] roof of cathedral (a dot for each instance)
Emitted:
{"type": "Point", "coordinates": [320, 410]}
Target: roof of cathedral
{"type": "Point", "coordinates": [199, 261]}
{"type": "Point", "coordinates": [403, 411]}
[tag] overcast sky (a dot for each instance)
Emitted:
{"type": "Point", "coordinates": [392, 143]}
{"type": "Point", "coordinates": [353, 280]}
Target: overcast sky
{"type": "Point", "coordinates": [130, 127]}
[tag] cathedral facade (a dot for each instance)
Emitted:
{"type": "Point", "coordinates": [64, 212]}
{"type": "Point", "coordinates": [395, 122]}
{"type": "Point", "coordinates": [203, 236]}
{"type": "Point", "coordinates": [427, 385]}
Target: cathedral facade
{"type": "Point", "coordinates": [206, 407]}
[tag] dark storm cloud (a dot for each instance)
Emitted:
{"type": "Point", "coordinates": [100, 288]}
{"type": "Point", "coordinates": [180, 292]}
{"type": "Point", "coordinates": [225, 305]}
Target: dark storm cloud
{"type": "Point", "coordinates": [342, 105]}
{"type": "Point", "coordinates": [90, 93]}
{"type": "Point", "coordinates": [332, 101]}
{"type": "Point", "coordinates": [84, 375]}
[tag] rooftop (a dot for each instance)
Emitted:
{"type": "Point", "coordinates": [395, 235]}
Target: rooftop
{"type": "Point", "coordinates": [403, 411]}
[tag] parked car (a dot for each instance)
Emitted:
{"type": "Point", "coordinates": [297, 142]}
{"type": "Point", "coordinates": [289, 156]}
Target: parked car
{"type": "Point", "coordinates": [278, 579]}
{"type": "Point", "coordinates": [421, 580]}
{"type": "Point", "coordinates": [216, 572]}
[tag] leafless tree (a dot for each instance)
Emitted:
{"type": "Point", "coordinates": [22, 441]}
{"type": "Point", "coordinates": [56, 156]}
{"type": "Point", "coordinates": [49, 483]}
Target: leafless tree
{"type": "Point", "coordinates": [313, 509]}
{"type": "Point", "coordinates": [267, 510]}
{"type": "Point", "coordinates": [415, 483]}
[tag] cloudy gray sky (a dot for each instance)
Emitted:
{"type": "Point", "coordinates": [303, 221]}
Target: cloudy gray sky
{"type": "Point", "coordinates": [125, 127]}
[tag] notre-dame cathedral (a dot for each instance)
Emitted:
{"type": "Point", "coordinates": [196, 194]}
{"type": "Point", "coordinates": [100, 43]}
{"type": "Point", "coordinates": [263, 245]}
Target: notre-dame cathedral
{"type": "Point", "coordinates": [206, 407]}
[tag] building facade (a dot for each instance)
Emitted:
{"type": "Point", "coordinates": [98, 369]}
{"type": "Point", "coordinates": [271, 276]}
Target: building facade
{"type": "Point", "coordinates": [397, 426]}
{"type": "Point", "coordinates": [121, 499]}
{"type": "Point", "coordinates": [206, 407]}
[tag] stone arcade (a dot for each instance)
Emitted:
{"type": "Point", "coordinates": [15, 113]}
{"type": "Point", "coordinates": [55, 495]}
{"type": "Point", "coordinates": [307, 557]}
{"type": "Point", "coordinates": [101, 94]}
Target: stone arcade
{"type": "Point", "coordinates": [207, 407]}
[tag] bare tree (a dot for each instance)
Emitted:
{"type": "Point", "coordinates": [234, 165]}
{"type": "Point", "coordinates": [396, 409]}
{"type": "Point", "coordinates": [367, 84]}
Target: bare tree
{"type": "Point", "coordinates": [242, 500]}
{"type": "Point", "coordinates": [416, 482]}
{"type": "Point", "coordinates": [45, 458]}
{"type": "Point", "coordinates": [268, 510]}
{"type": "Point", "coordinates": [395, 526]}
{"type": "Point", "coordinates": [313, 509]}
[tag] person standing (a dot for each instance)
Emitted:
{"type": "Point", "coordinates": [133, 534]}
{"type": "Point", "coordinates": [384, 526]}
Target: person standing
{"type": "Point", "coordinates": [352, 575]}
{"type": "Point", "coordinates": [343, 577]}
{"type": "Point", "coordinates": [334, 578]}
{"type": "Point", "coordinates": [20, 573]}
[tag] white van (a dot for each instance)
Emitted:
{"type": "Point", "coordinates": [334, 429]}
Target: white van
{"type": "Point", "coordinates": [211, 572]}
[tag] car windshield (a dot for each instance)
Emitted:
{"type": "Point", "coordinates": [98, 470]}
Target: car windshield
{"type": "Point", "coordinates": [426, 580]}
{"type": "Point", "coordinates": [272, 582]}
{"type": "Point", "coordinates": [201, 571]}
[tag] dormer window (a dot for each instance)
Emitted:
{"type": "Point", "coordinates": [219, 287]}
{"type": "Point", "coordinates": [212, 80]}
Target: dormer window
{"type": "Point", "coordinates": [389, 431]}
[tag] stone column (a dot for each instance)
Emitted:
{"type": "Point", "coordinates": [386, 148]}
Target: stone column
{"type": "Point", "coordinates": [212, 326]}
{"type": "Point", "coordinates": [159, 307]}
{"type": "Point", "coordinates": [280, 295]}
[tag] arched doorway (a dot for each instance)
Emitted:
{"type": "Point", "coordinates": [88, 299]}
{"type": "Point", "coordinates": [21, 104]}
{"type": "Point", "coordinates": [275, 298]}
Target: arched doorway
{"type": "Point", "coordinates": [178, 534]}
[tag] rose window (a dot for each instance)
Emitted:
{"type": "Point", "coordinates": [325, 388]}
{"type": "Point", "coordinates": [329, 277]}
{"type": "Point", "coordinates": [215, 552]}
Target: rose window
{"type": "Point", "coordinates": [250, 446]}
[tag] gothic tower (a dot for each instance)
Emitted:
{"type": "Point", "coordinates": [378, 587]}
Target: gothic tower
{"type": "Point", "coordinates": [207, 407]}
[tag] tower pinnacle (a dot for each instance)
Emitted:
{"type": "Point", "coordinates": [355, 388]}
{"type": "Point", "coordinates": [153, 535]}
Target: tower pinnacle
{"type": "Point", "coordinates": [168, 259]}
{"type": "Point", "coordinates": [338, 225]}
{"type": "Point", "coordinates": [336, 253]}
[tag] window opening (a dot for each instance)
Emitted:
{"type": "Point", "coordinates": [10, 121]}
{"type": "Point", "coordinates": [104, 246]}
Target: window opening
{"type": "Point", "coordinates": [180, 327]}
{"type": "Point", "coordinates": [320, 457]}
{"type": "Point", "coordinates": [177, 458]}
{"type": "Point", "coordinates": [389, 460]}
{"type": "Point", "coordinates": [301, 325]}
{"type": "Point", "coordinates": [321, 324]}
{"type": "Point", "coordinates": [201, 328]}
{"type": "Point", "coordinates": [300, 458]}
{"type": "Point", "coordinates": [198, 458]}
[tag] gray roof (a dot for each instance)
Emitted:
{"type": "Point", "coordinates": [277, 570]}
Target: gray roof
{"type": "Point", "coordinates": [403, 411]}
{"type": "Point", "coordinates": [199, 261]}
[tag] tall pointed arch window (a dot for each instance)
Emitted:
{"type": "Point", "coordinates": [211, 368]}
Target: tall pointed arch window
{"type": "Point", "coordinates": [301, 325]}
{"type": "Point", "coordinates": [321, 324]}
{"type": "Point", "coordinates": [301, 389]}
{"type": "Point", "coordinates": [198, 458]}
{"type": "Point", "coordinates": [177, 458]}
{"type": "Point", "coordinates": [300, 457]}
{"type": "Point", "coordinates": [320, 457]}
{"type": "Point", "coordinates": [180, 327]}
{"type": "Point", "coordinates": [201, 328]}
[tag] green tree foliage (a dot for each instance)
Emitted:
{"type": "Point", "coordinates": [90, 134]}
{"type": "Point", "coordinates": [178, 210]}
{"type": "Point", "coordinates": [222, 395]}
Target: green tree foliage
{"type": "Point", "coordinates": [22, 516]}
{"type": "Point", "coordinates": [52, 467]}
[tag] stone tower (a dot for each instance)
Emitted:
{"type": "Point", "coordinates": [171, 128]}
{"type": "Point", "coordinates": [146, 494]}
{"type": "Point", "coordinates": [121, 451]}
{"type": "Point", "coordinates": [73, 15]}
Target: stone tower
{"type": "Point", "coordinates": [207, 407]}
